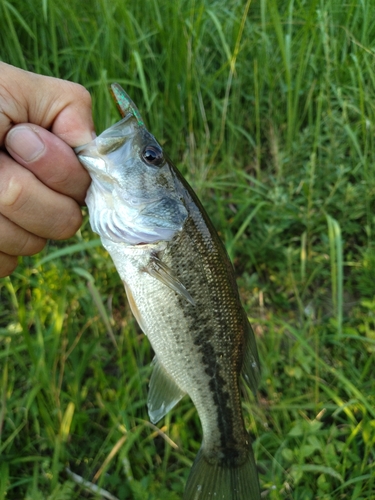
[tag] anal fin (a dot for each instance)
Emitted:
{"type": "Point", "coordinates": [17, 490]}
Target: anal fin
{"type": "Point", "coordinates": [163, 393]}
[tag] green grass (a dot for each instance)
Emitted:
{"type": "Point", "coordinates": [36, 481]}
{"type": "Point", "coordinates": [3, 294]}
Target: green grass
{"type": "Point", "coordinates": [269, 113]}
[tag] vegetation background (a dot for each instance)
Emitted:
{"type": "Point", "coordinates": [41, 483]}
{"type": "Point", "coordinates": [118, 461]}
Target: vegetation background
{"type": "Point", "coordinates": [268, 109]}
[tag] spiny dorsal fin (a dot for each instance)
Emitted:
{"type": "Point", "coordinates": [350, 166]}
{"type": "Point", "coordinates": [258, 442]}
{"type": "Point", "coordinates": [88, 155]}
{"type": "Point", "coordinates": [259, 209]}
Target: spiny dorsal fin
{"type": "Point", "coordinates": [163, 393]}
{"type": "Point", "coordinates": [157, 269]}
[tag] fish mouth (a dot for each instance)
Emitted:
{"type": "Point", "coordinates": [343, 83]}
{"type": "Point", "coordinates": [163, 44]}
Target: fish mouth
{"type": "Point", "coordinates": [109, 140]}
{"type": "Point", "coordinates": [93, 164]}
{"type": "Point", "coordinates": [127, 110]}
{"type": "Point", "coordinates": [92, 154]}
{"type": "Point", "coordinates": [113, 137]}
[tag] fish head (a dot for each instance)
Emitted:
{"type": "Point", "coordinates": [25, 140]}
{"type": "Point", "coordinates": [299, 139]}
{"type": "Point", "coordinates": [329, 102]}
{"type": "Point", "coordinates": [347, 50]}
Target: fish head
{"type": "Point", "coordinates": [134, 197]}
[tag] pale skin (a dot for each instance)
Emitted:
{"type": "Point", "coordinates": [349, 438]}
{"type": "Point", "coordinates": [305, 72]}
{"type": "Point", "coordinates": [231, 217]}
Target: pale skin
{"type": "Point", "coordinates": [42, 184]}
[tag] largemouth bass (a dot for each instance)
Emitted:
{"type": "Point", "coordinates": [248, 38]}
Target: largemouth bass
{"type": "Point", "coordinates": [182, 291]}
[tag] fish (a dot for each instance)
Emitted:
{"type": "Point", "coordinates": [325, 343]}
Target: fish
{"type": "Point", "coordinates": [182, 290]}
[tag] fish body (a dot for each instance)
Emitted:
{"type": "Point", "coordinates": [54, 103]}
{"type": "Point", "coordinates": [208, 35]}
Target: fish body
{"type": "Point", "coordinates": [182, 291]}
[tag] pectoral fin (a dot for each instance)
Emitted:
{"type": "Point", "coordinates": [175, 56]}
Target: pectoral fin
{"type": "Point", "coordinates": [163, 393]}
{"type": "Point", "coordinates": [157, 269]}
{"type": "Point", "coordinates": [251, 365]}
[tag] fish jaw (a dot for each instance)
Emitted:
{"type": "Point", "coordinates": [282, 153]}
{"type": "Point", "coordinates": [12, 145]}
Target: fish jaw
{"type": "Point", "coordinates": [95, 156]}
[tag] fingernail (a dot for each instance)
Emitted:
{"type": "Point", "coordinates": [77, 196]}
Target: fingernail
{"type": "Point", "coordinates": [25, 143]}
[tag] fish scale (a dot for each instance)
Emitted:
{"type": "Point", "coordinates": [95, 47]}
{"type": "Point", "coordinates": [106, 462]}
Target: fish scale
{"type": "Point", "coordinates": [182, 290]}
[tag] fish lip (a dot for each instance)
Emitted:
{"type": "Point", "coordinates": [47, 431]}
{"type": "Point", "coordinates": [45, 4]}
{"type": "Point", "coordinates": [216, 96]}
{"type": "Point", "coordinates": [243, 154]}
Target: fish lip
{"type": "Point", "coordinates": [78, 150]}
{"type": "Point", "coordinates": [81, 157]}
{"type": "Point", "coordinates": [96, 166]}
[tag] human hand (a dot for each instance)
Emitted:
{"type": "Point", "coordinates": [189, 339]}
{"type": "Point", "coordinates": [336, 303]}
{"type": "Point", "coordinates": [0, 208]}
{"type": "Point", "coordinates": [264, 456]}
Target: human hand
{"type": "Point", "coordinates": [42, 183]}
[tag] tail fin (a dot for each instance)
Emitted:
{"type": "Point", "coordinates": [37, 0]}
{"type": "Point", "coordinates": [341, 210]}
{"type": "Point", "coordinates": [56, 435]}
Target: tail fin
{"type": "Point", "coordinates": [218, 482]}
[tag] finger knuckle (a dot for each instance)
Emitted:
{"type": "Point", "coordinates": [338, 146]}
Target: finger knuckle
{"type": "Point", "coordinates": [8, 264]}
{"type": "Point", "coordinates": [70, 225]}
{"type": "Point", "coordinates": [14, 191]}
{"type": "Point", "coordinates": [81, 94]}
{"type": "Point", "coordinates": [31, 245]}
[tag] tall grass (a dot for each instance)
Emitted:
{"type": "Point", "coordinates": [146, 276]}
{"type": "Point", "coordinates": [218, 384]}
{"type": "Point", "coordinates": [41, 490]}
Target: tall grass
{"type": "Point", "coordinates": [268, 109]}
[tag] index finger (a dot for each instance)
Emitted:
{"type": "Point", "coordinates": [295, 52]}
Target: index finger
{"type": "Point", "coordinates": [58, 105]}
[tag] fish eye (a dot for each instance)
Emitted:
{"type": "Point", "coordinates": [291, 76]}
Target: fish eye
{"type": "Point", "coordinates": [153, 155]}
